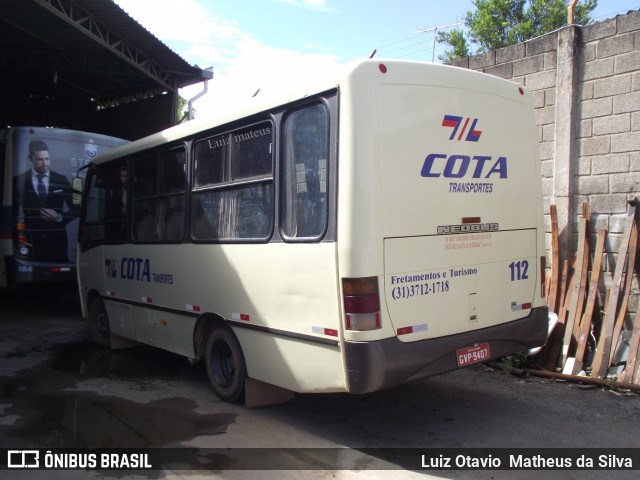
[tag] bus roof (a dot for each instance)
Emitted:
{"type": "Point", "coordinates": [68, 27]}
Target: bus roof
{"type": "Point", "coordinates": [253, 106]}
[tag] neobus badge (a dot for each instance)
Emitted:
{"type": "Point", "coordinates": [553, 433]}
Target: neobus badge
{"type": "Point", "coordinates": [468, 228]}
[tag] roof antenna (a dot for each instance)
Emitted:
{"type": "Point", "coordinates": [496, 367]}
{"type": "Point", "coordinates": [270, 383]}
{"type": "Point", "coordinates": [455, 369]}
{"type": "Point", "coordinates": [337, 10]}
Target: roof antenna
{"type": "Point", "coordinates": [373, 52]}
{"type": "Point", "coordinates": [255, 94]}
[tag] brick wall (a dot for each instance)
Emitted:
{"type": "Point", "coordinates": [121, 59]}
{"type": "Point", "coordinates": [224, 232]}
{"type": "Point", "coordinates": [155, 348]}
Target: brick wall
{"type": "Point", "coordinates": [585, 83]}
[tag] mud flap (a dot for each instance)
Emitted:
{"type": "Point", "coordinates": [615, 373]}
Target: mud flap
{"type": "Point", "coordinates": [261, 394]}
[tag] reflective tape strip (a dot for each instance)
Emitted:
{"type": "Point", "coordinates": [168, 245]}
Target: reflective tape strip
{"type": "Point", "coordinates": [421, 327]}
{"type": "Point", "coordinates": [515, 307]}
{"type": "Point", "coordinates": [332, 332]}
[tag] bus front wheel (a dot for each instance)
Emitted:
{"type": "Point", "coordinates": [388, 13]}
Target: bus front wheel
{"type": "Point", "coordinates": [99, 323]}
{"type": "Point", "coordinates": [226, 368]}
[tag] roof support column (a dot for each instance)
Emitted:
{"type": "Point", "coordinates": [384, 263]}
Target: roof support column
{"type": "Point", "coordinates": [565, 164]}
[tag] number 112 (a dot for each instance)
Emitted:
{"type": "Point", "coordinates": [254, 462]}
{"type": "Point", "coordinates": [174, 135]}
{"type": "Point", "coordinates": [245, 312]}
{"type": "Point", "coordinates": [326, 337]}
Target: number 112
{"type": "Point", "coordinates": [519, 270]}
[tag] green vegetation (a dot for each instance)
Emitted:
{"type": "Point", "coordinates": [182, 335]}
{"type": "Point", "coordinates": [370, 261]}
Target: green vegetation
{"type": "Point", "coordinates": [499, 23]}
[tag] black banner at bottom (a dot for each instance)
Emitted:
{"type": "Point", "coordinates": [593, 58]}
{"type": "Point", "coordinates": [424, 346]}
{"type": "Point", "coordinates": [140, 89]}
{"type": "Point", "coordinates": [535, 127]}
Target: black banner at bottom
{"type": "Point", "coordinates": [219, 459]}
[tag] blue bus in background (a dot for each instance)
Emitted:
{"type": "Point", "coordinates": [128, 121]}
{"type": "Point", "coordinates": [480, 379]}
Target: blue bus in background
{"type": "Point", "coordinates": [39, 215]}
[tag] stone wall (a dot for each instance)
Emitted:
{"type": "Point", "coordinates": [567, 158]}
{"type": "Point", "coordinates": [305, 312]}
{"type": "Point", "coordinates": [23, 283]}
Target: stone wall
{"type": "Point", "coordinates": [585, 83]}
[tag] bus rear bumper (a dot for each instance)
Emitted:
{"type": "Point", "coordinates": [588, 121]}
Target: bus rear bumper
{"type": "Point", "coordinates": [27, 272]}
{"type": "Point", "coordinates": [386, 363]}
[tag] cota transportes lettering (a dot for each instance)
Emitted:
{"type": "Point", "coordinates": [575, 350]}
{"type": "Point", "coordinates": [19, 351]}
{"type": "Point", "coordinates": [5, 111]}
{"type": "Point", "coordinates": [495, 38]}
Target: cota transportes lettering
{"type": "Point", "coordinates": [460, 166]}
{"type": "Point", "coordinates": [135, 269]}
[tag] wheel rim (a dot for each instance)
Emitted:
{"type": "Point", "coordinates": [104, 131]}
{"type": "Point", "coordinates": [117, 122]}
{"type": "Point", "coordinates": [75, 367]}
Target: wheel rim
{"type": "Point", "coordinates": [102, 324]}
{"type": "Point", "coordinates": [223, 364]}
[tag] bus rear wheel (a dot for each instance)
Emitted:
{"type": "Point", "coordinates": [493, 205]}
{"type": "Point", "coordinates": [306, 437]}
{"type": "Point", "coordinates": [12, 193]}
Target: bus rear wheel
{"type": "Point", "coordinates": [99, 323]}
{"type": "Point", "coordinates": [226, 367]}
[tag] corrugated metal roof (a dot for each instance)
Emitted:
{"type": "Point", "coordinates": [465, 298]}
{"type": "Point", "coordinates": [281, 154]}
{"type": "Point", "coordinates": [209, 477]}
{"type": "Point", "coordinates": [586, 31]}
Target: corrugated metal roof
{"type": "Point", "coordinates": [84, 49]}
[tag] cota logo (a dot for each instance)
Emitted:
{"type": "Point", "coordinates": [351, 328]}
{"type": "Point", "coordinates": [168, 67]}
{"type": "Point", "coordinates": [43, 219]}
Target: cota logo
{"type": "Point", "coordinates": [461, 165]}
{"type": "Point", "coordinates": [453, 121]}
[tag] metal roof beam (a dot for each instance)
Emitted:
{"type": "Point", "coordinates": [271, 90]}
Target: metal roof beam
{"type": "Point", "coordinates": [88, 25]}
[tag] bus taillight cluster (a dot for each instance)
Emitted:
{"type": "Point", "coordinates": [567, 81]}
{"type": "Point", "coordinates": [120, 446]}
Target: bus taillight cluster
{"type": "Point", "coordinates": [22, 239]}
{"type": "Point", "coordinates": [361, 303]}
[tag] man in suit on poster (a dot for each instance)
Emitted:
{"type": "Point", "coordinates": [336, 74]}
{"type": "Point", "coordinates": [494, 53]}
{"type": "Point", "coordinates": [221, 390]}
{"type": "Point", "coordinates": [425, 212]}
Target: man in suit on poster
{"type": "Point", "coordinates": [41, 194]}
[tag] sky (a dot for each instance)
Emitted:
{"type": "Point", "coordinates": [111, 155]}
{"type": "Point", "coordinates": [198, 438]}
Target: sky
{"type": "Point", "coordinates": [273, 46]}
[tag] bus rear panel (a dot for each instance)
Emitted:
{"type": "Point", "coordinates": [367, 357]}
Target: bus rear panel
{"type": "Point", "coordinates": [459, 226]}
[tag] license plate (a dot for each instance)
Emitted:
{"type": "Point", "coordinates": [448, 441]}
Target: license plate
{"type": "Point", "coordinates": [473, 354]}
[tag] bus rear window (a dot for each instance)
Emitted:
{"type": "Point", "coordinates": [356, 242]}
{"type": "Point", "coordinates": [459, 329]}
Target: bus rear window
{"type": "Point", "coordinates": [306, 149]}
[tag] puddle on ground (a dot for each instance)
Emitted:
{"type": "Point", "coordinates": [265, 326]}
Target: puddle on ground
{"type": "Point", "coordinates": [48, 415]}
{"type": "Point", "coordinates": [90, 360]}
{"type": "Point", "coordinates": [99, 422]}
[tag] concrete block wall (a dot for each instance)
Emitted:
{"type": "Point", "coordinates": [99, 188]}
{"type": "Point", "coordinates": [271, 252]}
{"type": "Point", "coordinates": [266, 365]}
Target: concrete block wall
{"type": "Point", "coordinates": [585, 83]}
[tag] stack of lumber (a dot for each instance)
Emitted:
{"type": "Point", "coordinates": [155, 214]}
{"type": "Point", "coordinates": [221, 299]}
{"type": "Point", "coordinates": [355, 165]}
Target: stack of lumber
{"type": "Point", "coordinates": [588, 335]}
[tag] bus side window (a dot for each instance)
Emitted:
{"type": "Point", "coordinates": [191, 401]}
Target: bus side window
{"type": "Point", "coordinates": [159, 197]}
{"type": "Point", "coordinates": [234, 185]}
{"type": "Point", "coordinates": [304, 213]}
{"type": "Point", "coordinates": [105, 208]}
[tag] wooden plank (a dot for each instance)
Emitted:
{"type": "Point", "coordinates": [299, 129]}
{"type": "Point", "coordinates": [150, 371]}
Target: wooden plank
{"type": "Point", "coordinates": [553, 347]}
{"type": "Point", "coordinates": [627, 374]}
{"type": "Point", "coordinates": [574, 378]}
{"type": "Point", "coordinates": [563, 285]}
{"type": "Point", "coordinates": [600, 366]}
{"type": "Point", "coordinates": [585, 323]}
{"type": "Point", "coordinates": [636, 374]}
{"type": "Point", "coordinates": [548, 359]}
{"type": "Point", "coordinates": [582, 291]}
{"type": "Point", "coordinates": [552, 296]}
{"type": "Point", "coordinates": [577, 288]}
{"type": "Point", "coordinates": [586, 213]}
{"type": "Point", "coordinates": [628, 277]}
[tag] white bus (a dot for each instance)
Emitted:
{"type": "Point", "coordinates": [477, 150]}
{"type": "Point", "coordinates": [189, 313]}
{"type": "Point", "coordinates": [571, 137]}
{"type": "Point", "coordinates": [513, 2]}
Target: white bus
{"type": "Point", "coordinates": [379, 229]}
{"type": "Point", "coordinates": [38, 227]}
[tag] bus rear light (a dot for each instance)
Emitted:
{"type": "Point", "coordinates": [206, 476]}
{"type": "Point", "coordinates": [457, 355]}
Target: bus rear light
{"type": "Point", "coordinates": [20, 227]}
{"type": "Point", "coordinates": [361, 322]}
{"type": "Point", "coordinates": [360, 286]}
{"type": "Point", "coordinates": [22, 239]}
{"type": "Point", "coordinates": [361, 303]}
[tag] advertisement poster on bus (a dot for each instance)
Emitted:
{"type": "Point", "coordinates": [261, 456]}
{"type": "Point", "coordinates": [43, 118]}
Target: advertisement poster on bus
{"type": "Point", "coordinates": [45, 160]}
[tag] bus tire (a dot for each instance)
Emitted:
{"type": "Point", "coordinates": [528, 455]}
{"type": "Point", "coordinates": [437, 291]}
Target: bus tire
{"type": "Point", "coordinates": [226, 367]}
{"type": "Point", "coordinates": [99, 323]}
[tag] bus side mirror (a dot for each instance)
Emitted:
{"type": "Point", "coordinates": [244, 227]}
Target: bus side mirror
{"type": "Point", "coordinates": [77, 191]}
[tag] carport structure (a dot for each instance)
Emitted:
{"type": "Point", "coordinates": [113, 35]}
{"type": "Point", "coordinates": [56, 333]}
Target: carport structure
{"type": "Point", "coordinates": [87, 65]}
